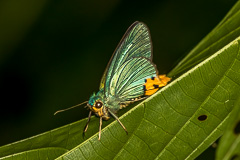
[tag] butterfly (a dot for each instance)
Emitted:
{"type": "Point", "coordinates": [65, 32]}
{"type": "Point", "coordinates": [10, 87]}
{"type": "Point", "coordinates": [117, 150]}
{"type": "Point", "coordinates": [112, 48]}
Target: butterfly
{"type": "Point", "coordinates": [130, 76]}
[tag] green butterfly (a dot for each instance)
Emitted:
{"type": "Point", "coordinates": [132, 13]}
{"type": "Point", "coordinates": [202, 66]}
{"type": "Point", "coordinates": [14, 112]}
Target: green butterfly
{"type": "Point", "coordinates": [130, 76]}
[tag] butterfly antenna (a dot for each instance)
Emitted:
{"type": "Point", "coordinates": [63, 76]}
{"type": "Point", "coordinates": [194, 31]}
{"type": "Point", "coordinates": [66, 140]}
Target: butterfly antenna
{"type": "Point", "coordinates": [70, 108]}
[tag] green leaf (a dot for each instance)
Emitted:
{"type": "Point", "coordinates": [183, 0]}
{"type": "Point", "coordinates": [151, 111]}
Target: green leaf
{"type": "Point", "coordinates": [57, 141]}
{"type": "Point", "coordinates": [229, 145]}
{"type": "Point", "coordinates": [172, 124]}
{"type": "Point", "coordinates": [178, 122]}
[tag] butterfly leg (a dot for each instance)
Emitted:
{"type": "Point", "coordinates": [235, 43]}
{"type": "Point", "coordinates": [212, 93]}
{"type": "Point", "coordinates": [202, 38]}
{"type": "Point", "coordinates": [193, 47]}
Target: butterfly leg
{"type": "Point", "coordinates": [118, 120]}
{"type": "Point", "coordinates": [86, 126]}
{"type": "Point", "coordinates": [100, 129]}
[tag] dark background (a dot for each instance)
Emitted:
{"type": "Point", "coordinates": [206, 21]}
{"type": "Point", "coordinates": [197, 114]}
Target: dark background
{"type": "Point", "coordinates": [53, 53]}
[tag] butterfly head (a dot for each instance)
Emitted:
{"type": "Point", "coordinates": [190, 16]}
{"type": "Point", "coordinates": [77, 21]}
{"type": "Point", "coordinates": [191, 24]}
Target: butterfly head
{"type": "Point", "coordinates": [97, 106]}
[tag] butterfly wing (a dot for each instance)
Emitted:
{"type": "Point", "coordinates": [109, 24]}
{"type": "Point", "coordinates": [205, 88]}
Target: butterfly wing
{"type": "Point", "coordinates": [137, 35]}
{"type": "Point", "coordinates": [136, 43]}
{"type": "Point", "coordinates": [128, 82]}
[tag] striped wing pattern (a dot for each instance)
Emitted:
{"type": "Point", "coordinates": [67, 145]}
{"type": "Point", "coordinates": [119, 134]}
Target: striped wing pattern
{"type": "Point", "coordinates": [128, 82]}
{"type": "Point", "coordinates": [136, 42]}
{"type": "Point", "coordinates": [130, 65]}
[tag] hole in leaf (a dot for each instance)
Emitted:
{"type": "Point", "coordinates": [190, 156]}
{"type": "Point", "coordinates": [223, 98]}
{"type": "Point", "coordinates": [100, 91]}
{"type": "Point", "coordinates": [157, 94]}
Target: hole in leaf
{"type": "Point", "coordinates": [237, 128]}
{"type": "Point", "coordinates": [234, 157]}
{"type": "Point", "coordinates": [202, 117]}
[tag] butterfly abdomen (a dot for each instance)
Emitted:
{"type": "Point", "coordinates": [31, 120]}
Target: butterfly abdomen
{"type": "Point", "coordinates": [153, 84]}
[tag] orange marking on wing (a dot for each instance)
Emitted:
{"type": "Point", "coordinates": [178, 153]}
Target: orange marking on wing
{"type": "Point", "coordinates": [150, 92]}
{"type": "Point", "coordinates": [152, 85]}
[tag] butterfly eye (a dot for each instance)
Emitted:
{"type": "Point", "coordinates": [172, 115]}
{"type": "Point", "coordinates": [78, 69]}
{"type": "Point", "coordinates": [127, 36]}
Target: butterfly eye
{"type": "Point", "coordinates": [98, 104]}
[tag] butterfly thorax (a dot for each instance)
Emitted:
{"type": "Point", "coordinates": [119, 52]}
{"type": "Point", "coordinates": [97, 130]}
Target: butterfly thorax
{"type": "Point", "coordinates": [101, 105]}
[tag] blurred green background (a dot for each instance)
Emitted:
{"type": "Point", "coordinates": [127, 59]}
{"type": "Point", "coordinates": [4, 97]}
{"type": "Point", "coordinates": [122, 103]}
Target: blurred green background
{"type": "Point", "coordinates": [53, 53]}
